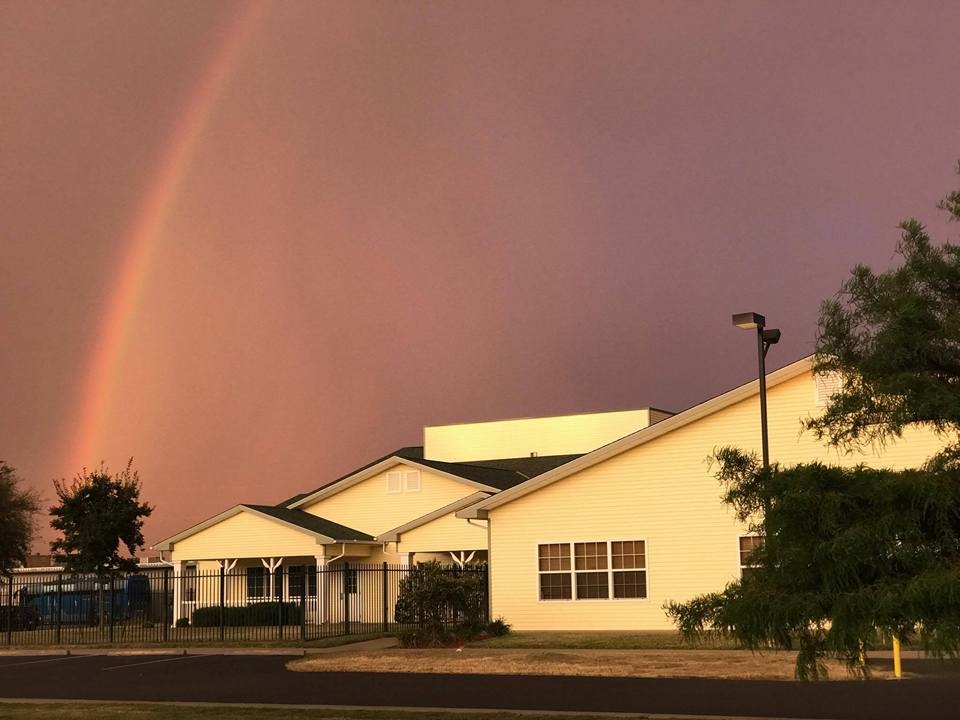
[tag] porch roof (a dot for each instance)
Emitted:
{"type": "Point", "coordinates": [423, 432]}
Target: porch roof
{"type": "Point", "coordinates": [313, 523]}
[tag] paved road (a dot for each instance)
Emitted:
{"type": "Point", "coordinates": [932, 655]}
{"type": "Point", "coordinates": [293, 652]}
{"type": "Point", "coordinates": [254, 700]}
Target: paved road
{"type": "Point", "coordinates": [264, 679]}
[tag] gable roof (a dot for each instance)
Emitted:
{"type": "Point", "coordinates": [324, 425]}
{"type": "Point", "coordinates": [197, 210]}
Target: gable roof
{"type": "Point", "coordinates": [411, 452]}
{"type": "Point", "coordinates": [690, 415]}
{"type": "Point", "coordinates": [324, 530]}
{"type": "Point", "coordinates": [394, 534]}
{"type": "Point", "coordinates": [483, 475]}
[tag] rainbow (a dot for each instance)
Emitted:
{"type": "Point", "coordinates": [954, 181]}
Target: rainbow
{"type": "Point", "coordinates": [143, 235]}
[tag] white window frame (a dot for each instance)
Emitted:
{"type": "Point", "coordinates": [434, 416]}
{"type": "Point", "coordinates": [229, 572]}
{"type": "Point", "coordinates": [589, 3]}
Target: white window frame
{"type": "Point", "coordinates": [394, 482]}
{"type": "Point", "coordinates": [740, 552]}
{"type": "Point", "coordinates": [572, 572]}
{"type": "Point", "coordinates": [411, 481]}
{"type": "Point", "coordinates": [825, 386]}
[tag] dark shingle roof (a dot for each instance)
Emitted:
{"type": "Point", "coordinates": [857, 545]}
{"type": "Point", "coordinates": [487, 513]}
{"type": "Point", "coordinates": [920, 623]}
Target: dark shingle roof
{"type": "Point", "coordinates": [312, 522]}
{"type": "Point", "coordinates": [504, 473]}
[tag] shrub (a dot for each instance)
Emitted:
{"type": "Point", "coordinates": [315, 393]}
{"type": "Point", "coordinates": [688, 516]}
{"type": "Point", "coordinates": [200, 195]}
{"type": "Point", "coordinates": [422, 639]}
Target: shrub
{"type": "Point", "coordinates": [253, 614]}
{"type": "Point", "coordinates": [183, 622]}
{"type": "Point", "coordinates": [447, 605]}
{"type": "Point", "coordinates": [497, 628]}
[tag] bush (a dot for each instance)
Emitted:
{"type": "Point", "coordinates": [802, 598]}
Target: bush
{"type": "Point", "coordinates": [183, 622]}
{"type": "Point", "coordinates": [447, 605]}
{"type": "Point", "coordinates": [497, 628]}
{"type": "Point", "coordinates": [253, 614]}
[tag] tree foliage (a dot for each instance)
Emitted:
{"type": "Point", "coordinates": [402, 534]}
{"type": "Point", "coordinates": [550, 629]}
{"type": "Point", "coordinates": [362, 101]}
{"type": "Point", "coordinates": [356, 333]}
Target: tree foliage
{"type": "Point", "coordinates": [849, 555]}
{"type": "Point", "coordinates": [17, 508]}
{"type": "Point", "coordinates": [894, 337]}
{"type": "Point", "coordinates": [97, 513]}
{"type": "Point", "coordinates": [445, 603]}
{"type": "Point", "coordinates": [853, 553]}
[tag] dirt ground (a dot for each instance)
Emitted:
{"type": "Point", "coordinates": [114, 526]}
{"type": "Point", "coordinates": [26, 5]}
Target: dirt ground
{"type": "Point", "coordinates": [627, 663]}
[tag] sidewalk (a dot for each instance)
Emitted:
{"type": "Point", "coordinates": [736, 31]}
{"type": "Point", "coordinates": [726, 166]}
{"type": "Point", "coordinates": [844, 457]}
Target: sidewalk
{"type": "Point", "coordinates": [363, 646]}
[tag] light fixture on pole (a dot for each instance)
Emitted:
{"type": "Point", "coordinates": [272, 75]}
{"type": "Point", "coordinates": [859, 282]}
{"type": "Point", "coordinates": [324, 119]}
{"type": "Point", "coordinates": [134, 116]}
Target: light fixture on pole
{"type": "Point", "coordinates": [765, 338]}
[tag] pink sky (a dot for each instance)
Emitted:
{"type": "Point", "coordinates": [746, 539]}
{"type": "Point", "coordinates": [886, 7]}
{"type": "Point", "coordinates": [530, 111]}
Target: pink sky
{"type": "Point", "coordinates": [256, 246]}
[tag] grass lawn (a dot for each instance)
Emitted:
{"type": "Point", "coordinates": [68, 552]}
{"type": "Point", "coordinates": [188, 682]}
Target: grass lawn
{"type": "Point", "coordinates": [151, 711]}
{"type": "Point", "coordinates": [648, 640]}
{"type": "Point", "coordinates": [727, 664]}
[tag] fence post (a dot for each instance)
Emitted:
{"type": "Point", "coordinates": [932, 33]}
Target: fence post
{"type": "Point", "coordinates": [111, 610]}
{"type": "Point", "coordinates": [485, 569]}
{"type": "Point", "coordinates": [10, 609]}
{"type": "Point", "coordinates": [223, 600]}
{"type": "Point", "coordinates": [165, 621]}
{"type": "Point", "coordinates": [386, 609]}
{"type": "Point", "coordinates": [346, 599]}
{"type": "Point", "coordinates": [278, 596]}
{"type": "Point", "coordinates": [59, 605]}
{"type": "Point", "coordinates": [303, 604]}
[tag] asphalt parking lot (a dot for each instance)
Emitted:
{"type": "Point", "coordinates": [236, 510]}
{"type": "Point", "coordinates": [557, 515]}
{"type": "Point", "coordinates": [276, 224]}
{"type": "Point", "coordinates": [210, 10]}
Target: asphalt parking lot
{"type": "Point", "coordinates": [264, 679]}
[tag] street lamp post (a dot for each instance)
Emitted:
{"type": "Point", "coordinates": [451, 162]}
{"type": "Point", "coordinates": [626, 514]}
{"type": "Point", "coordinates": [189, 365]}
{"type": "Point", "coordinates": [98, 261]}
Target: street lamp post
{"type": "Point", "coordinates": [765, 338]}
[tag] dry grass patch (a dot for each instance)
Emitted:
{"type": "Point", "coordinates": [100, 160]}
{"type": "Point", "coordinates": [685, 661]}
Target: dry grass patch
{"type": "Point", "coordinates": [741, 664]}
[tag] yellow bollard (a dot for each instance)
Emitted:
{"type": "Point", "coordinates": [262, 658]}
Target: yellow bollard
{"type": "Point", "coordinates": [897, 669]}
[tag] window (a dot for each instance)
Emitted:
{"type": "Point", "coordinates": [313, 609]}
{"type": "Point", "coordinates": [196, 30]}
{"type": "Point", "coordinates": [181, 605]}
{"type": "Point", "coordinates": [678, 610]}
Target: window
{"type": "Point", "coordinates": [351, 582]}
{"type": "Point", "coordinates": [826, 386]}
{"type": "Point", "coordinates": [555, 572]}
{"type": "Point", "coordinates": [256, 582]}
{"type": "Point", "coordinates": [190, 583]}
{"type": "Point", "coordinates": [411, 481]}
{"type": "Point", "coordinates": [295, 581]}
{"type": "Point", "coordinates": [629, 568]}
{"type": "Point", "coordinates": [600, 570]}
{"type": "Point", "coordinates": [394, 482]}
{"type": "Point", "coordinates": [748, 543]}
{"type": "Point", "coordinates": [406, 481]}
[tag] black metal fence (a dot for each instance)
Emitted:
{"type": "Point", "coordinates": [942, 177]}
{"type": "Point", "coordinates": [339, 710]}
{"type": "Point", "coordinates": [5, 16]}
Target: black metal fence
{"type": "Point", "coordinates": [298, 603]}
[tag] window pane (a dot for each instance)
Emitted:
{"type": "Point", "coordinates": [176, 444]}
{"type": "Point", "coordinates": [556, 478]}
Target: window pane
{"type": "Point", "coordinates": [629, 554]}
{"type": "Point", "coordinates": [554, 557]}
{"type": "Point", "coordinates": [749, 543]}
{"type": "Point", "coordinates": [630, 584]}
{"type": "Point", "coordinates": [295, 581]}
{"type": "Point", "coordinates": [555, 587]}
{"type": "Point", "coordinates": [256, 587]}
{"type": "Point", "coordinates": [592, 585]}
{"type": "Point", "coordinates": [590, 556]}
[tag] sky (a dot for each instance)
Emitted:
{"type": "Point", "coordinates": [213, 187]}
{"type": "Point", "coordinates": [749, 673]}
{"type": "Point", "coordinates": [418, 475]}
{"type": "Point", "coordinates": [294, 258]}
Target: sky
{"type": "Point", "coordinates": [255, 245]}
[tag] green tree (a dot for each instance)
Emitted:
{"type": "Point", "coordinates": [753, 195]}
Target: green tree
{"type": "Point", "coordinates": [97, 513]}
{"type": "Point", "coordinates": [850, 555]}
{"type": "Point", "coordinates": [852, 552]}
{"type": "Point", "coordinates": [894, 337]}
{"type": "Point", "coordinates": [17, 508]}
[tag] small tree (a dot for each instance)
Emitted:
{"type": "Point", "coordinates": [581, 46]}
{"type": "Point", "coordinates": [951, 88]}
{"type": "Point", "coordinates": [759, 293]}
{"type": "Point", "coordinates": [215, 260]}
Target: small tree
{"type": "Point", "coordinates": [17, 508]}
{"type": "Point", "coordinates": [445, 603]}
{"type": "Point", "coordinates": [97, 512]}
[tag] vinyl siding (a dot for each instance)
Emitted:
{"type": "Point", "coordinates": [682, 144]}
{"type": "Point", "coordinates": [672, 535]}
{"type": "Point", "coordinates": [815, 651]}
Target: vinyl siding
{"type": "Point", "coordinates": [367, 506]}
{"type": "Point", "coordinates": [563, 435]}
{"type": "Point", "coordinates": [246, 535]}
{"type": "Point", "coordinates": [663, 492]}
{"type": "Point", "coordinates": [443, 534]}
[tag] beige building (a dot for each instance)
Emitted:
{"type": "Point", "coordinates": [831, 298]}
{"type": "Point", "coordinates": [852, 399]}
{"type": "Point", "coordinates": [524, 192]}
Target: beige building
{"type": "Point", "coordinates": [586, 521]}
